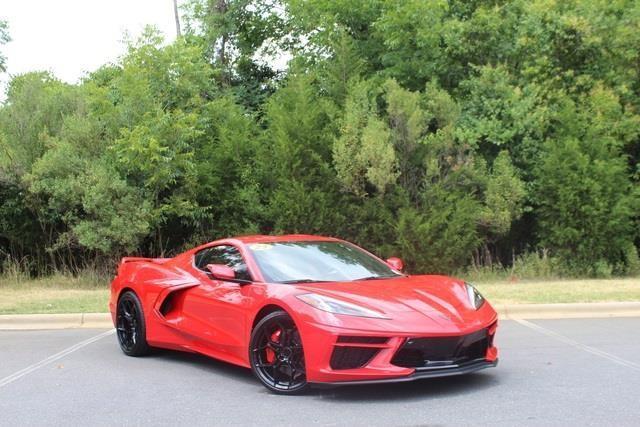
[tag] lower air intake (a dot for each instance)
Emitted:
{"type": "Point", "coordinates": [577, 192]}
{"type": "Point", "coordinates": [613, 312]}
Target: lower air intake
{"type": "Point", "coordinates": [351, 357]}
{"type": "Point", "coordinates": [442, 351]}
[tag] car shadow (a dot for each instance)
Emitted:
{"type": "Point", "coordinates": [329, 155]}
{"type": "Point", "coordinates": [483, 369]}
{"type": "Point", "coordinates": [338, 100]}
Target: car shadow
{"type": "Point", "coordinates": [413, 390]}
{"type": "Point", "coordinates": [205, 363]}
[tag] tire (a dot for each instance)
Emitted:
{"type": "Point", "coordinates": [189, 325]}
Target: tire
{"type": "Point", "coordinates": [276, 354]}
{"type": "Point", "coordinates": [130, 326]}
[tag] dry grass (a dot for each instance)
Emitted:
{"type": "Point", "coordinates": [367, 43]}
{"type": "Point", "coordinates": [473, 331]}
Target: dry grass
{"type": "Point", "coordinates": [47, 300]}
{"type": "Point", "coordinates": [559, 291]}
{"type": "Point", "coordinates": [58, 293]}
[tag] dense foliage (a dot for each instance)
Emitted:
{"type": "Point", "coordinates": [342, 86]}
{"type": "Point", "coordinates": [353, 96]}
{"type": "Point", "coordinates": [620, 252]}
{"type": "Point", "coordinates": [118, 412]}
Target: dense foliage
{"type": "Point", "coordinates": [448, 133]}
{"type": "Point", "coordinates": [4, 38]}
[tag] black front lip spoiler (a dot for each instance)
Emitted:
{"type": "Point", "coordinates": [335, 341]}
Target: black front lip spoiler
{"type": "Point", "coordinates": [422, 373]}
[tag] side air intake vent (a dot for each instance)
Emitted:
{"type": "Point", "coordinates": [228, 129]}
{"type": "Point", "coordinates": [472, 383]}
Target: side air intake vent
{"type": "Point", "coordinates": [352, 357]}
{"type": "Point", "coordinates": [167, 304]}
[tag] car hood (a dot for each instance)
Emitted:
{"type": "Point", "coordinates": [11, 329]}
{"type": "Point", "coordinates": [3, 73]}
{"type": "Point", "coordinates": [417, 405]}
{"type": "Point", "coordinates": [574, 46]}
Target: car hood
{"type": "Point", "coordinates": [436, 301]}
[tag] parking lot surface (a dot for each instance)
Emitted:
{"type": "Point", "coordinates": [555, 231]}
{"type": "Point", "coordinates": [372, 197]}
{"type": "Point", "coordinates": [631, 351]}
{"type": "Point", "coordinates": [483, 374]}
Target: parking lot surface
{"type": "Point", "coordinates": [551, 372]}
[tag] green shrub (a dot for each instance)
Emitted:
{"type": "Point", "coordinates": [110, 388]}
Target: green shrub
{"type": "Point", "coordinates": [534, 265]}
{"type": "Point", "coordinates": [538, 265]}
{"type": "Point", "coordinates": [632, 267]}
{"type": "Point", "coordinates": [15, 270]}
{"type": "Point", "coordinates": [601, 269]}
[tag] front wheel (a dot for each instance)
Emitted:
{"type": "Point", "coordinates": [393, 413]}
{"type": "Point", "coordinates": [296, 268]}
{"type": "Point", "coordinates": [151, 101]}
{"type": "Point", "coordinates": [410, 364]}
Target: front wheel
{"type": "Point", "coordinates": [276, 354]}
{"type": "Point", "coordinates": [130, 326]}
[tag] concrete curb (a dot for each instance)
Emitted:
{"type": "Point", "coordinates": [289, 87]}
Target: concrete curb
{"type": "Point", "coordinates": [568, 311]}
{"type": "Point", "coordinates": [505, 311]}
{"type": "Point", "coordinates": [55, 321]}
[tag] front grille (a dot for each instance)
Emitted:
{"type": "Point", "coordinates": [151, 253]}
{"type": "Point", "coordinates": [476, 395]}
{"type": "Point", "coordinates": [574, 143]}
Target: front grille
{"type": "Point", "coordinates": [441, 351]}
{"type": "Point", "coordinates": [351, 357]}
{"type": "Point", "coordinates": [361, 340]}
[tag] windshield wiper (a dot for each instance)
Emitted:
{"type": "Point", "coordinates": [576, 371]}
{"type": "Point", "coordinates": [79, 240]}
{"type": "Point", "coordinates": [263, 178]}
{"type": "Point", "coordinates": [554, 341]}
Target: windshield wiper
{"type": "Point", "coordinates": [304, 281]}
{"type": "Point", "coordinates": [374, 278]}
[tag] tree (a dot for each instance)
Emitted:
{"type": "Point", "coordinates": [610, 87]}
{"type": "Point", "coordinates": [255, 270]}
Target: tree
{"type": "Point", "coordinates": [235, 34]}
{"type": "Point", "coordinates": [586, 200]}
{"type": "Point", "coordinates": [364, 154]}
{"type": "Point", "coordinates": [177, 18]}
{"type": "Point", "coordinates": [446, 132]}
{"type": "Point", "coordinates": [4, 38]}
{"type": "Point", "coordinates": [295, 160]}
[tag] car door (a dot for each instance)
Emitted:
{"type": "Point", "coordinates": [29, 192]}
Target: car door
{"type": "Point", "coordinates": [215, 311]}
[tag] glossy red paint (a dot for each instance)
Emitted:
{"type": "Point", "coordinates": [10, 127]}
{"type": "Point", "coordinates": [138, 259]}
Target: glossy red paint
{"type": "Point", "coordinates": [221, 272]}
{"type": "Point", "coordinates": [186, 309]}
{"type": "Point", "coordinates": [395, 263]}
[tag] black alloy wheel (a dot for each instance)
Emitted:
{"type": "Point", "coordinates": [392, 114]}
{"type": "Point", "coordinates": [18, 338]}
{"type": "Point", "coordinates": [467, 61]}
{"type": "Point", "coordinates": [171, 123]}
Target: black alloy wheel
{"type": "Point", "coordinates": [276, 354]}
{"type": "Point", "coordinates": [130, 326]}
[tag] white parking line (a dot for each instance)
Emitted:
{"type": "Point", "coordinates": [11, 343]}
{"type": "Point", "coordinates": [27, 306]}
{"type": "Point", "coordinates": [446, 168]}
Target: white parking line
{"type": "Point", "coordinates": [21, 373]}
{"type": "Point", "coordinates": [578, 345]}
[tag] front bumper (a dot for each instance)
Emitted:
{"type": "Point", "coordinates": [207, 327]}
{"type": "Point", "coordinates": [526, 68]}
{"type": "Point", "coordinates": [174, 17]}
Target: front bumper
{"type": "Point", "coordinates": [320, 342]}
{"type": "Point", "coordinates": [422, 373]}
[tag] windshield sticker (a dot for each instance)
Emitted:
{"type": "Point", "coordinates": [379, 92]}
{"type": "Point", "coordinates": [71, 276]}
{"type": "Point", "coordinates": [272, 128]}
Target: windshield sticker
{"type": "Point", "coordinates": [260, 247]}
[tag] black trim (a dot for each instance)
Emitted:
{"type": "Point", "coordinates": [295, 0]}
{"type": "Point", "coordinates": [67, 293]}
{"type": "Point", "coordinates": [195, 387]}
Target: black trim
{"type": "Point", "coordinates": [241, 282]}
{"type": "Point", "coordinates": [464, 368]}
{"type": "Point", "coordinates": [353, 339]}
{"type": "Point", "coordinates": [428, 352]}
{"type": "Point", "coordinates": [167, 304]}
{"type": "Point", "coordinates": [352, 357]}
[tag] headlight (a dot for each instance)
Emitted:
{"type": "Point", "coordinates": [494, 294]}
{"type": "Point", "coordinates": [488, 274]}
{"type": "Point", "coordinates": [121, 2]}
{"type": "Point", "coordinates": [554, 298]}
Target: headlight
{"type": "Point", "coordinates": [475, 298]}
{"type": "Point", "coordinates": [332, 305]}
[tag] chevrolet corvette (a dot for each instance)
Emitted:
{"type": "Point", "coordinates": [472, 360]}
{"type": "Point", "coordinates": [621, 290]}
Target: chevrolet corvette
{"type": "Point", "coordinates": [301, 310]}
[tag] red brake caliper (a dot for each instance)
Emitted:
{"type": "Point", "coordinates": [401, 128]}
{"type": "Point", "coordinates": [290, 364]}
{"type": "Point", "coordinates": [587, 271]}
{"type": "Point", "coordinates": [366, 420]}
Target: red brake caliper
{"type": "Point", "coordinates": [271, 355]}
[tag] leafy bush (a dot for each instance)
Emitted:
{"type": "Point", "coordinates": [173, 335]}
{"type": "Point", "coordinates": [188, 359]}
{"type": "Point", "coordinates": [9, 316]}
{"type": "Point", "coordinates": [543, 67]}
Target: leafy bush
{"type": "Point", "coordinates": [470, 138]}
{"type": "Point", "coordinates": [533, 265]}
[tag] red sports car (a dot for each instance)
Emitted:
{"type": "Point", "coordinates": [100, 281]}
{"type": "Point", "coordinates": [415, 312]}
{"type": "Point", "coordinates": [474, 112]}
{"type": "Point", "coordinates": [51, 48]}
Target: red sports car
{"type": "Point", "coordinates": [302, 309]}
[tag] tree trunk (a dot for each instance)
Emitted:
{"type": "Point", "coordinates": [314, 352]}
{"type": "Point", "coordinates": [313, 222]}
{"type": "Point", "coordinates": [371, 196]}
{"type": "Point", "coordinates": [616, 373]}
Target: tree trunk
{"type": "Point", "coordinates": [175, 12]}
{"type": "Point", "coordinates": [222, 8]}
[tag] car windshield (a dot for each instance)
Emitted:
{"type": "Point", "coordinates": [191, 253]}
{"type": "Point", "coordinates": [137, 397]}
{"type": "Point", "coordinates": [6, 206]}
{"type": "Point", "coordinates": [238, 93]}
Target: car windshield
{"type": "Point", "coordinates": [317, 261]}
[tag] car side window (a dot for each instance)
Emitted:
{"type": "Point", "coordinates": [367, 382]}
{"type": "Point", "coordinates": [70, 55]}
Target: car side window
{"type": "Point", "coordinates": [224, 254]}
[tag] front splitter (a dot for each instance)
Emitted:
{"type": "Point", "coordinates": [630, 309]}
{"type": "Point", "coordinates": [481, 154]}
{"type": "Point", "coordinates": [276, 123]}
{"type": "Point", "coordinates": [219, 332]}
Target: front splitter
{"type": "Point", "coordinates": [418, 374]}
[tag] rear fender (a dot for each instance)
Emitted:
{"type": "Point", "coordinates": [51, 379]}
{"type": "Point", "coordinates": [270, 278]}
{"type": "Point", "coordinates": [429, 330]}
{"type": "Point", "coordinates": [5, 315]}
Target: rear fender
{"type": "Point", "coordinates": [153, 280]}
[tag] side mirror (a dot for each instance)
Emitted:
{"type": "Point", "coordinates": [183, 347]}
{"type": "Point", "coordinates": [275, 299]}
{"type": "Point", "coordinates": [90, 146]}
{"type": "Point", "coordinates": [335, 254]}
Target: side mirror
{"type": "Point", "coordinates": [221, 271]}
{"type": "Point", "coordinates": [395, 263]}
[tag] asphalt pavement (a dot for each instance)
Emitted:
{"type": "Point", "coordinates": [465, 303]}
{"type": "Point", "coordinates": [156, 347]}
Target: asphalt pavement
{"type": "Point", "coordinates": [551, 372]}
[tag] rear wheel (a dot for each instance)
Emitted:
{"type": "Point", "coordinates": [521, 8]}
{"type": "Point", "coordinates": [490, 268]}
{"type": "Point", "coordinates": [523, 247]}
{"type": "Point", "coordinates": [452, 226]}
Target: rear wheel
{"type": "Point", "coordinates": [130, 326]}
{"type": "Point", "coordinates": [276, 354]}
